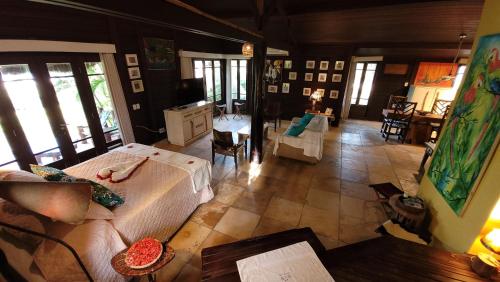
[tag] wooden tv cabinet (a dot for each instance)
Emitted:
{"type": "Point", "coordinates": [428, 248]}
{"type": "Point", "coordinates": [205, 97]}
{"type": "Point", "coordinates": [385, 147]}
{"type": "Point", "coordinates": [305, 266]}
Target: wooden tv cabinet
{"type": "Point", "coordinates": [187, 123]}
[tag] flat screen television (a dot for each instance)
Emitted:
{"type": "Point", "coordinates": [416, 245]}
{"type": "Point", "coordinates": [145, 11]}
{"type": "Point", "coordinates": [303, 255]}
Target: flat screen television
{"type": "Point", "coordinates": [190, 91]}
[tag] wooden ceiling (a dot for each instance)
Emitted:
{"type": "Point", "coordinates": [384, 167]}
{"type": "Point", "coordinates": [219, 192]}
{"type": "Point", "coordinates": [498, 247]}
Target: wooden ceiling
{"type": "Point", "coordinates": [363, 23]}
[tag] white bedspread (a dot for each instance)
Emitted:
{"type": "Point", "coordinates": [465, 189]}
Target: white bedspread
{"type": "Point", "coordinates": [159, 196]}
{"type": "Point", "coordinates": [311, 140]}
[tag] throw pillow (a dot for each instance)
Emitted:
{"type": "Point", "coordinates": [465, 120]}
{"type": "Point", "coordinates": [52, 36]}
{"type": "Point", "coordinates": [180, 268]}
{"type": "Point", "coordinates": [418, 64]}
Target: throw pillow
{"type": "Point", "coordinates": [100, 194]}
{"type": "Point", "coordinates": [295, 130]}
{"type": "Point", "coordinates": [306, 119]}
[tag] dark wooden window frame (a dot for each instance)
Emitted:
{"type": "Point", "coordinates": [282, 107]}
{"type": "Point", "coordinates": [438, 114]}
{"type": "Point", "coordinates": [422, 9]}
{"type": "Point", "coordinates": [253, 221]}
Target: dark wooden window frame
{"type": "Point", "coordinates": [222, 76]}
{"type": "Point", "coordinates": [12, 127]}
{"type": "Point", "coordinates": [238, 96]}
{"type": "Point", "coordinates": [358, 96]}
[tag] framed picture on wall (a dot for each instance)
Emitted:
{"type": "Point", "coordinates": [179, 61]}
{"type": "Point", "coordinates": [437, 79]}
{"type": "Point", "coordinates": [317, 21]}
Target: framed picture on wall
{"type": "Point", "coordinates": [137, 86]}
{"type": "Point", "coordinates": [321, 92]}
{"type": "Point", "coordinates": [131, 60]}
{"type": "Point", "coordinates": [323, 65]}
{"type": "Point", "coordinates": [292, 75]}
{"type": "Point", "coordinates": [288, 64]}
{"type": "Point", "coordinates": [285, 88]}
{"type": "Point", "coordinates": [134, 73]}
{"type": "Point", "coordinates": [339, 65]}
{"type": "Point", "coordinates": [159, 53]}
{"type": "Point", "coordinates": [306, 92]}
{"type": "Point", "coordinates": [336, 77]}
{"type": "Point", "coordinates": [334, 94]}
{"type": "Point", "coordinates": [272, 88]}
{"type": "Point", "coordinates": [308, 76]}
{"type": "Point", "coordinates": [322, 77]}
{"type": "Point", "coordinates": [310, 64]}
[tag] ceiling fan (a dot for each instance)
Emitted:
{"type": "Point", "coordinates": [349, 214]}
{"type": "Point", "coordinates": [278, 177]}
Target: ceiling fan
{"type": "Point", "coordinates": [461, 38]}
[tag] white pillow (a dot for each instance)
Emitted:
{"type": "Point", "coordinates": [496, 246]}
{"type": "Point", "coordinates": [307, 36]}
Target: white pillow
{"type": "Point", "coordinates": [96, 211]}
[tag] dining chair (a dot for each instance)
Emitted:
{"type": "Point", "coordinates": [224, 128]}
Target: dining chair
{"type": "Point", "coordinates": [400, 120]}
{"type": "Point", "coordinates": [440, 107]}
{"type": "Point", "coordinates": [393, 100]}
{"type": "Point", "coordinates": [438, 126]}
{"type": "Point", "coordinates": [223, 144]}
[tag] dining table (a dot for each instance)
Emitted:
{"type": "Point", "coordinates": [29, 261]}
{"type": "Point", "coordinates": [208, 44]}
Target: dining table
{"type": "Point", "coordinates": [420, 128]}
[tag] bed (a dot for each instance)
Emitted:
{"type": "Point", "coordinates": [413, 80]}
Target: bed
{"type": "Point", "coordinates": [308, 146]}
{"type": "Point", "coordinates": [159, 197]}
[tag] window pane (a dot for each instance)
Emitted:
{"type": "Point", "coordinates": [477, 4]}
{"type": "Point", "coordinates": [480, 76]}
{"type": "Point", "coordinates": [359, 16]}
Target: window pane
{"type": "Point", "coordinates": [234, 63]}
{"type": "Point", "coordinates": [11, 166]}
{"type": "Point", "coordinates": [234, 82]}
{"type": "Point", "coordinates": [210, 84]}
{"type": "Point", "coordinates": [355, 85]}
{"type": "Point", "coordinates": [198, 73]}
{"type": "Point", "coordinates": [359, 66]}
{"type": "Point", "coordinates": [94, 68]}
{"type": "Point", "coordinates": [6, 155]}
{"type": "Point", "coordinates": [367, 84]}
{"type": "Point", "coordinates": [198, 64]}
{"type": "Point", "coordinates": [243, 63]}
{"type": "Point", "coordinates": [243, 80]}
{"type": "Point", "coordinates": [217, 64]}
{"type": "Point", "coordinates": [371, 66]}
{"type": "Point", "coordinates": [104, 104]}
{"type": "Point", "coordinates": [218, 84]}
{"type": "Point", "coordinates": [71, 105]}
{"type": "Point", "coordinates": [208, 64]}
{"type": "Point", "coordinates": [23, 93]}
{"type": "Point", "coordinates": [363, 101]}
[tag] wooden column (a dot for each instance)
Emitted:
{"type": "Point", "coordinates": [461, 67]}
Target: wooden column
{"type": "Point", "coordinates": [257, 131]}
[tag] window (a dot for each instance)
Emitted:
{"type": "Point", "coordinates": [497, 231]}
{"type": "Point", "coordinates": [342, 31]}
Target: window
{"type": "Point", "coordinates": [363, 82]}
{"type": "Point", "coordinates": [239, 79]}
{"type": "Point", "coordinates": [103, 101]}
{"type": "Point", "coordinates": [211, 70]}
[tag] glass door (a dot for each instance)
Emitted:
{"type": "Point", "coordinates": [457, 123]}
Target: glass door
{"type": "Point", "coordinates": [23, 94]}
{"type": "Point", "coordinates": [361, 89]}
{"type": "Point", "coordinates": [55, 110]}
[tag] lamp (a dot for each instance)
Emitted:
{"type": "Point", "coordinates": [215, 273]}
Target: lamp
{"type": "Point", "coordinates": [486, 264]}
{"type": "Point", "coordinates": [315, 97]}
{"type": "Point", "coordinates": [247, 50]}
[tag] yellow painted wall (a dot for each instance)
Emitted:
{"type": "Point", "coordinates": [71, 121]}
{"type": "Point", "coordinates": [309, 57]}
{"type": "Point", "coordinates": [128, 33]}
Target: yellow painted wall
{"type": "Point", "coordinates": [457, 233]}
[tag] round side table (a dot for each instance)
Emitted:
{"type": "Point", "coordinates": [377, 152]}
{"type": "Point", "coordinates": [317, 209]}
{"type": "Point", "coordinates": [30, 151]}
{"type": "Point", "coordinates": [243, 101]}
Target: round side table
{"type": "Point", "coordinates": [119, 265]}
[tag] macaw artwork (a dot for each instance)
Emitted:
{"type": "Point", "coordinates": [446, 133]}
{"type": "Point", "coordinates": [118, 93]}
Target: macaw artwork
{"type": "Point", "coordinates": [472, 132]}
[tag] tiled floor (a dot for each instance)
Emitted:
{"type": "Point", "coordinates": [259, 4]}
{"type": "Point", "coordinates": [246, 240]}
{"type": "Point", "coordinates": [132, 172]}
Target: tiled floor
{"type": "Point", "coordinates": [332, 197]}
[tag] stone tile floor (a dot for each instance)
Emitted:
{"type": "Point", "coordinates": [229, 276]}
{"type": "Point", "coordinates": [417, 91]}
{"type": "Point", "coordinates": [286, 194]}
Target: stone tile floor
{"type": "Point", "coordinates": [332, 197]}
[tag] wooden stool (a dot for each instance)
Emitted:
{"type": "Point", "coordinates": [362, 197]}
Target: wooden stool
{"type": "Point", "coordinates": [119, 265]}
{"type": "Point", "coordinates": [238, 105]}
{"type": "Point", "coordinates": [222, 111]}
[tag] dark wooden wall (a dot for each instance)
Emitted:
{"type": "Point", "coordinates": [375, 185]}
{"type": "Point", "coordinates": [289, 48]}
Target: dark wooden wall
{"type": "Point", "coordinates": [294, 103]}
{"type": "Point", "coordinates": [27, 20]}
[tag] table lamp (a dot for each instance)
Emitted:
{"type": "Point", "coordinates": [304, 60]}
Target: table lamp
{"type": "Point", "coordinates": [315, 97]}
{"type": "Point", "coordinates": [486, 264]}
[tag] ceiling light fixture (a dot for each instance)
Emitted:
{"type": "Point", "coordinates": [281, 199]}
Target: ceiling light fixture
{"type": "Point", "coordinates": [247, 50]}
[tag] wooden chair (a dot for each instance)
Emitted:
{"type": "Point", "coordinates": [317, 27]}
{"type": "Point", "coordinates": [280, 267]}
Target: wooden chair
{"type": "Point", "coordinates": [438, 126]}
{"type": "Point", "coordinates": [237, 107]}
{"type": "Point", "coordinates": [222, 111]}
{"type": "Point", "coordinates": [400, 120]}
{"type": "Point", "coordinates": [440, 107]}
{"type": "Point", "coordinates": [393, 100]}
{"type": "Point", "coordinates": [272, 112]}
{"type": "Point", "coordinates": [223, 144]}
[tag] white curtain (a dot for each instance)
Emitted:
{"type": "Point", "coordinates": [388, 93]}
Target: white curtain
{"type": "Point", "coordinates": [186, 68]}
{"type": "Point", "coordinates": [119, 103]}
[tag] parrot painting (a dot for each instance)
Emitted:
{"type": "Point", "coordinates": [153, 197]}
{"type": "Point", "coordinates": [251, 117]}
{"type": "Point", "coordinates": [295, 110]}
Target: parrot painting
{"type": "Point", "coordinates": [472, 130]}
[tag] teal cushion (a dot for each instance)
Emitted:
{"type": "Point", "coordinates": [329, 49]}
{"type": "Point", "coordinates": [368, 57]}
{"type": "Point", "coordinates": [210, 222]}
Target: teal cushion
{"type": "Point", "coordinates": [295, 130]}
{"type": "Point", "coordinates": [100, 194]}
{"type": "Point", "coordinates": [306, 119]}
